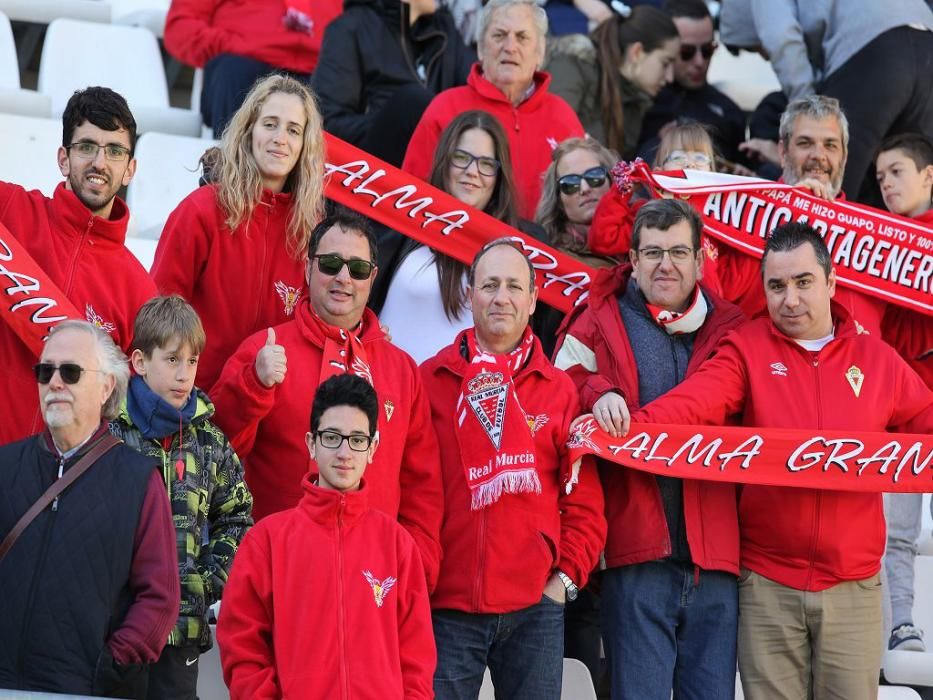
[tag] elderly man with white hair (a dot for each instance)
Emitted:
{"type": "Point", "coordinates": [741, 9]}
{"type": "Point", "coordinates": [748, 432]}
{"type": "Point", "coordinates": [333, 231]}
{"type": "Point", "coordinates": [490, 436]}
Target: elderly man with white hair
{"type": "Point", "coordinates": [87, 545]}
{"type": "Point", "coordinates": [506, 83]}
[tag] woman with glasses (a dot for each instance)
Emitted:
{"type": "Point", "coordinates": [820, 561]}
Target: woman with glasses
{"type": "Point", "coordinates": [612, 77]}
{"type": "Point", "coordinates": [236, 249]}
{"type": "Point", "coordinates": [424, 291]}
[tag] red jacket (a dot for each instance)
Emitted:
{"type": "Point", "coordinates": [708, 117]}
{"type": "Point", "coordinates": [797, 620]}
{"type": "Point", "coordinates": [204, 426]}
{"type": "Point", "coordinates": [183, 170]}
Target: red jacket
{"type": "Point", "coordinates": [804, 538]}
{"type": "Point", "coordinates": [85, 257]}
{"type": "Point", "coordinates": [302, 619]}
{"type": "Point", "coordinates": [198, 30]}
{"type": "Point", "coordinates": [267, 427]}
{"type": "Point", "coordinates": [596, 353]}
{"type": "Point", "coordinates": [239, 283]}
{"type": "Point", "coordinates": [498, 559]}
{"type": "Point", "coordinates": [534, 128]}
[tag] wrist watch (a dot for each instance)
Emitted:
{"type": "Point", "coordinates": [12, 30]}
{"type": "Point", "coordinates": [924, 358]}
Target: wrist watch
{"type": "Point", "coordinates": [572, 590]}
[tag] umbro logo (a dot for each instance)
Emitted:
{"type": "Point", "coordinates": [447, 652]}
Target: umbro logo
{"type": "Point", "coordinates": [778, 368]}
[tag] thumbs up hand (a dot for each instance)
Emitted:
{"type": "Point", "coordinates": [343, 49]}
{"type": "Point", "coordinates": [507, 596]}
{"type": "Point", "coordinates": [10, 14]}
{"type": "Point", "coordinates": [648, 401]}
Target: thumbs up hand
{"type": "Point", "coordinates": [271, 363]}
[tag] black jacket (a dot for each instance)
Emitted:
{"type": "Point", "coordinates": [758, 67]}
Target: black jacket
{"type": "Point", "coordinates": [370, 51]}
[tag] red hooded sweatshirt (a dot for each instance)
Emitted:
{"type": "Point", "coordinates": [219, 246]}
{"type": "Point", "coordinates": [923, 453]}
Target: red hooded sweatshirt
{"type": "Point", "coordinates": [327, 600]}
{"type": "Point", "coordinates": [239, 283]}
{"type": "Point", "coordinates": [85, 257]}
{"type": "Point", "coordinates": [267, 426]}
{"type": "Point", "coordinates": [198, 30]}
{"type": "Point", "coordinates": [535, 128]}
{"type": "Point", "coordinates": [498, 559]}
{"type": "Point", "coordinates": [806, 539]}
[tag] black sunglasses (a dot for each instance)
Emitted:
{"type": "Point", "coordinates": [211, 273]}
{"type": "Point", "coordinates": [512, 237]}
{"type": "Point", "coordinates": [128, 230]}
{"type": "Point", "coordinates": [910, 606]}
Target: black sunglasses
{"type": "Point", "coordinates": [595, 177]}
{"type": "Point", "coordinates": [69, 371]}
{"type": "Point", "coordinates": [688, 51]}
{"type": "Point", "coordinates": [330, 264]}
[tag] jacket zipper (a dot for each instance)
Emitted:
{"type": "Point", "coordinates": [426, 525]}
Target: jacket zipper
{"type": "Point", "coordinates": [262, 264]}
{"type": "Point", "coordinates": [478, 583]}
{"type": "Point", "coordinates": [342, 618]}
{"type": "Point", "coordinates": [819, 494]}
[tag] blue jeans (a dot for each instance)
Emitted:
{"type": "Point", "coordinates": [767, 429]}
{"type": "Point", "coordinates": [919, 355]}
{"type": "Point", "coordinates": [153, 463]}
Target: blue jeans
{"type": "Point", "coordinates": [524, 651]}
{"type": "Point", "coordinates": [666, 629]}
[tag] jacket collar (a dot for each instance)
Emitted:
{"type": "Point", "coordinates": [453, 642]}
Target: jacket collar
{"type": "Point", "coordinates": [48, 445]}
{"type": "Point", "coordinates": [371, 329]}
{"type": "Point", "coordinates": [326, 507]}
{"type": "Point", "coordinates": [481, 85]}
{"type": "Point", "coordinates": [844, 326]}
{"type": "Point", "coordinates": [67, 207]}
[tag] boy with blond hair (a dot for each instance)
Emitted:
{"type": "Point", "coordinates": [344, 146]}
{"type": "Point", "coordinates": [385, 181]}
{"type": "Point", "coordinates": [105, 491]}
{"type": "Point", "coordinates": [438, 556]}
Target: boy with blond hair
{"type": "Point", "coordinates": [167, 417]}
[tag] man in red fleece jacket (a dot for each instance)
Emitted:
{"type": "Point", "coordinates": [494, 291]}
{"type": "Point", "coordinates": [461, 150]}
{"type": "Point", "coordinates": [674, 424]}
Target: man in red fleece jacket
{"type": "Point", "coordinates": [522, 527]}
{"type": "Point", "coordinates": [809, 589]}
{"type": "Point", "coordinates": [77, 238]}
{"type": "Point", "coordinates": [328, 599]}
{"type": "Point", "coordinates": [264, 388]}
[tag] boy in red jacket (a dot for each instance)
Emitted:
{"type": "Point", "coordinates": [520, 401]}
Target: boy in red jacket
{"type": "Point", "coordinates": [329, 599]}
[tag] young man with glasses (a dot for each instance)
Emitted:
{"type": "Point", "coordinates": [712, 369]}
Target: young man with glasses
{"type": "Point", "coordinates": [264, 386]}
{"type": "Point", "coordinates": [669, 597]}
{"type": "Point", "coordinates": [329, 599]}
{"type": "Point", "coordinates": [77, 238]}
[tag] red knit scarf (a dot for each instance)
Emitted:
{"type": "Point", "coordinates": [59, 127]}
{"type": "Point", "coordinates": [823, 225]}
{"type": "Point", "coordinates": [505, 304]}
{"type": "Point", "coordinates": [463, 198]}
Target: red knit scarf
{"type": "Point", "coordinates": [343, 350]}
{"type": "Point", "coordinates": [678, 323]}
{"type": "Point", "coordinates": [298, 16]}
{"type": "Point", "coordinates": [497, 447]}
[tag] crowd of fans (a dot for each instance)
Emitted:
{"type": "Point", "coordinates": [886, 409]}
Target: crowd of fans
{"type": "Point", "coordinates": [360, 442]}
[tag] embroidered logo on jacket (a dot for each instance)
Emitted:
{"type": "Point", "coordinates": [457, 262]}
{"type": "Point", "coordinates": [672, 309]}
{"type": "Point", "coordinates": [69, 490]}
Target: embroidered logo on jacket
{"type": "Point", "coordinates": [855, 378]}
{"type": "Point", "coordinates": [288, 295]}
{"type": "Point", "coordinates": [537, 422]}
{"type": "Point", "coordinates": [380, 588]}
{"type": "Point", "coordinates": [778, 368]}
{"type": "Point", "coordinates": [389, 407]}
{"type": "Point", "coordinates": [95, 318]}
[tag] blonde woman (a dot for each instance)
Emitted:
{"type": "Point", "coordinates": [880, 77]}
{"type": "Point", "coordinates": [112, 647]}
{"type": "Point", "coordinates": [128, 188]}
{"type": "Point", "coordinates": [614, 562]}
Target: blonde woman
{"type": "Point", "coordinates": [236, 249]}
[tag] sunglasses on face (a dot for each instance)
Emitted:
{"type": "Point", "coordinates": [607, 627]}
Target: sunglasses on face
{"type": "Point", "coordinates": [688, 51]}
{"type": "Point", "coordinates": [462, 160]}
{"type": "Point", "coordinates": [332, 440]}
{"type": "Point", "coordinates": [330, 264]}
{"type": "Point", "coordinates": [68, 371]}
{"type": "Point", "coordinates": [595, 177]}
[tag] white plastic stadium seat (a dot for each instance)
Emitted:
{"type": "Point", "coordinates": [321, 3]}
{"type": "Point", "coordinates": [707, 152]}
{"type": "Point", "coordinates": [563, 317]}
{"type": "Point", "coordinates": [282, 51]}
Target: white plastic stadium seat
{"type": "Point", "coordinates": [13, 99]}
{"type": "Point", "coordinates": [166, 172]}
{"type": "Point", "coordinates": [913, 667]}
{"type": "Point", "coordinates": [141, 13]}
{"type": "Point", "coordinates": [68, 63]}
{"type": "Point", "coordinates": [897, 692]}
{"type": "Point", "coordinates": [746, 78]}
{"type": "Point", "coordinates": [30, 158]}
{"type": "Point", "coordinates": [44, 11]}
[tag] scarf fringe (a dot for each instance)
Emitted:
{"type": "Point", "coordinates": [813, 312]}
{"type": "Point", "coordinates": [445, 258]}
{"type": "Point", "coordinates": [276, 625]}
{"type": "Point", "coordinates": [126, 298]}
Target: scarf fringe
{"type": "Point", "coordinates": [522, 481]}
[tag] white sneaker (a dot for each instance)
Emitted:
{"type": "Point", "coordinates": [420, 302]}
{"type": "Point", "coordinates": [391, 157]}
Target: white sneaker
{"type": "Point", "coordinates": [906, 637]}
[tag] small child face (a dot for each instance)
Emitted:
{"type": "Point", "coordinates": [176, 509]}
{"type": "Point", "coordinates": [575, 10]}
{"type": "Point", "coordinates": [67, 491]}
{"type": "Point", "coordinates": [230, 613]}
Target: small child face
{"type": "Point", "coordinates": [341, 467]}
{"type": "Point", "coordinates": [169, 372]}
{"type": "Point", "coordinates": [906, 189]}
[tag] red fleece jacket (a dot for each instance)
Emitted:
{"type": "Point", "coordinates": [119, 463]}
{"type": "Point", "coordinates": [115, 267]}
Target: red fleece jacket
{"type": "Point", "coordinates": [266, 427]}
{"type": "Point", "coordinates": [499, 558]}
{"type": "Point", "coordinates": [804, 538]}
{"type": "Point", "coordinates": [240, 283]}
{"type": "Point", "coordinates": [85, 257]}
{"type": "Point", "coordinates": [198, 30]}
{"type": "Point", "coordinates": [535, 128]}
{"type": "Point", "coordinates": [327, 600]}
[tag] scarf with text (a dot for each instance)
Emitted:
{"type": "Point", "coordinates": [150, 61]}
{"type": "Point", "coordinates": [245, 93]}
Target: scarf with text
{"type": "Point", "coordinates": [497, 447]}
{"type": "Point", "coordinates": [681, 322]}
{"type": "Point", "coordinates": [343, 351]}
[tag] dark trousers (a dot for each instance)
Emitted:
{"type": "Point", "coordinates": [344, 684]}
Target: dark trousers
{"type": "Point", "coordinates": [582, 631]}
{"type": "Point", "coordinates": [884, 89]}
{"type": "Point", "coordinates": [175, 675]}
{"type": "Point", "coordinates": [227, 80]}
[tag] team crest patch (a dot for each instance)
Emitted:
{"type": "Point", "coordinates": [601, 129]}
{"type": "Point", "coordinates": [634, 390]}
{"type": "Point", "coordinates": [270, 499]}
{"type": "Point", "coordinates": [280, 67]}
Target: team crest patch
{"type": "Point", "coordinates": [288, 295]}
{"type": "Point", "coordinates": [389, 407]}
{"type": "Point", "coordinates": [488, 394]}
{"type": "Point", "coordinates": [380, 588]}
{"type": "Point", "coordinates": [536, 422]}
{"type": "Point", "coordinates": [855, 377]}
{"type": "Point", "coordinates": [95, 318]}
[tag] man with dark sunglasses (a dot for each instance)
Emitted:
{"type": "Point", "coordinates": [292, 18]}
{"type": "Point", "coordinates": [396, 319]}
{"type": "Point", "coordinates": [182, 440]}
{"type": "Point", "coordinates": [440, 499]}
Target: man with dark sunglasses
{"type": "Point", "coordinates": [90, 587]}
{"type": "Point", "coordinates": [690, 95]}
{"type": "Point", "coordinates": [76, 237]}
{"type": "Point", "coordinates": [263, 390]}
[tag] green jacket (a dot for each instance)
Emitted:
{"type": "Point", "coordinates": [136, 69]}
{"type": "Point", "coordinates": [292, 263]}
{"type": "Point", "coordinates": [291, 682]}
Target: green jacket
{"type": "Point", "coordinates": [211, 508]}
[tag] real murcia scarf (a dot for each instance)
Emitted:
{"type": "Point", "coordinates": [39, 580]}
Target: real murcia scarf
{"type": "Point", "coordinates": [678, 323]}
{"type": "Point", "coordinates": [497, 448]}
{"type": "Point", "coordinates": [343, 351]}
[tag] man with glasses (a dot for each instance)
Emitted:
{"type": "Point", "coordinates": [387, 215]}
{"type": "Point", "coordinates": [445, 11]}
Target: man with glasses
{"type": "Point", "coordinates": [264, 388]}
{"type": "Point", "coordinates": [669, 598]}
{"type": "Point", "coordinates": [690, 95]}
{"type": "Point", "coordinates": [90, 586]}
{"type": "Point", "coordinates": [77, 238]}
{"type": "Point", "coordinates": [329, 599]}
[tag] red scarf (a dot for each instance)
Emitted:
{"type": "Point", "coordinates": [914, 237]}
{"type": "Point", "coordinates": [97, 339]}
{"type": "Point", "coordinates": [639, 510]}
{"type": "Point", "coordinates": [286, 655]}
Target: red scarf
{"type": "Point", "coordinates": [298, 16]}
{"type": "Point", "coordinates": [343, 350]}
{"type": "Point", "coordinates": [497, 448]}
{"type": "Point", "coordinates": [678, 323]}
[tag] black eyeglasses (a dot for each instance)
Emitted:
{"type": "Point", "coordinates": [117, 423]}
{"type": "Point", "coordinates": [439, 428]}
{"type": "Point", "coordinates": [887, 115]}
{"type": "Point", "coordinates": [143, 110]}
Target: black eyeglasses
{"type": "Point", "coordinates": [688, 51]}
{"type": "Point", "coordinates": [89, 150]}
{"type": "Point", "coordinates": [595, 177]}
{"type": "Point", "coordinates": [330, 264]}
{"type": "Point", "coordinates": [69, 371]}
{"type": "Point", "coordinates": [462, 159]}
{"type": "Point", "coordinates": [679, 254]}
{"type": "Point", "coordinates": [332, 440]}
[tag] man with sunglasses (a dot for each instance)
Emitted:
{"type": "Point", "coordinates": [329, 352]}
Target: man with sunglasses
{"type": "Point", "coordinates": [264, 388]}
{"type": "Point", "coordinates": [90, 587]}
{"type": "Point", "coordinates": [77, 238]}
{"type": "Point", "coordinates": [669, 597]}
{"type": "Point", "coordinates": [690, 95]}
